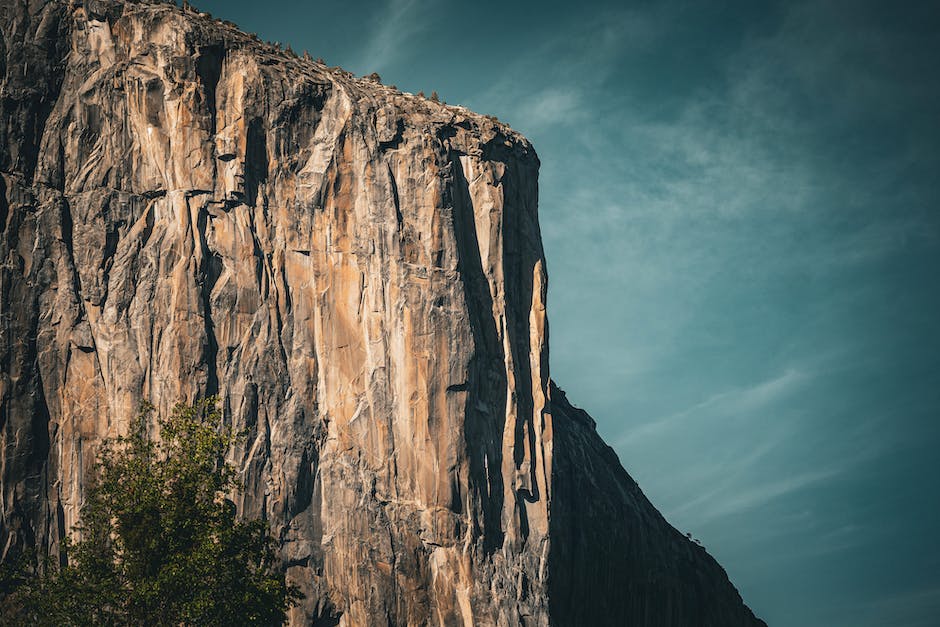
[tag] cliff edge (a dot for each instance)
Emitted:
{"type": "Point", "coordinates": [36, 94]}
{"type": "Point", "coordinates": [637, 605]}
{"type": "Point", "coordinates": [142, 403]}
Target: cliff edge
{"type": "Point", "coordinates": [358, 274]}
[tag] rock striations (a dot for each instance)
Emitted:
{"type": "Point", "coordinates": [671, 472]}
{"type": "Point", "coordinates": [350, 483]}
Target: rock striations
{"type": "Point", "coordinates": [358, 274]}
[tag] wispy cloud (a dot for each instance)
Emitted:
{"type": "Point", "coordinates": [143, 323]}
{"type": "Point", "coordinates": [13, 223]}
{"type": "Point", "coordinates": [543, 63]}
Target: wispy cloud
{"type": "Point", "coordinates": [554, 106]}
{"type": "Point", "coordinates": [722, 501]}
{"type": "Point", "coordinates": [725, 404]}
{"type": "Point", "coordinates": [750, 446]}
{"type": "Point", "coordinates": [565, 72]}
{"type": "Point", "coordinates": [392, 28]}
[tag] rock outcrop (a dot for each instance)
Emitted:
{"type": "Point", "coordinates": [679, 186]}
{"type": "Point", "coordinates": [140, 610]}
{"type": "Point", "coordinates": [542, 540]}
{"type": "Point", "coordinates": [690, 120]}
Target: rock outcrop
{"type": "Point", "coordinates": [358, 274]}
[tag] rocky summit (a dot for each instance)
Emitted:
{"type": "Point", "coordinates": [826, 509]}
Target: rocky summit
{"type": "Point", "coordinates": [358, 274]}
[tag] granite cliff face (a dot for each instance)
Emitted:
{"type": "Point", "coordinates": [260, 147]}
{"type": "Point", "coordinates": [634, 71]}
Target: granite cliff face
{"type": "Point", "coordinates": [358, 274]}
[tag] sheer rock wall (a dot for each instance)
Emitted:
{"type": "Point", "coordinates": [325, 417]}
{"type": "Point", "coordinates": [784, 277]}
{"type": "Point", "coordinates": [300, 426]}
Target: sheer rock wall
{"type": "Point", "coordinates": [356, 272]}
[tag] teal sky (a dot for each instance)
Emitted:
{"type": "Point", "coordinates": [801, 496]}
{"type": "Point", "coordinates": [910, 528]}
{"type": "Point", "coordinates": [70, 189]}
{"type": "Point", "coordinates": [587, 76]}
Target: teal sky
{"type": "Point", "coordinates": [741, 213]}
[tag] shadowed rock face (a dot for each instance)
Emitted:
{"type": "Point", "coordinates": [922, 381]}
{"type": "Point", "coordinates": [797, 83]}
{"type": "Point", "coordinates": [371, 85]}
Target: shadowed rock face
{"type": "Point", "coordinates": [358, 274]}
{"type": "Point", "coordinates": [614, 559]}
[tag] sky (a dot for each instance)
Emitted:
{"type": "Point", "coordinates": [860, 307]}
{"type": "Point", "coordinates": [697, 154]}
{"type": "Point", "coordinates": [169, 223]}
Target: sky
{"type": "Point", "coordinates": [740, 206]}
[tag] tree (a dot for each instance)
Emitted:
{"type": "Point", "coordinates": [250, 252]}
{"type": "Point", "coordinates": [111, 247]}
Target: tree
{"type": "Point", "coordinates": [159, 542]}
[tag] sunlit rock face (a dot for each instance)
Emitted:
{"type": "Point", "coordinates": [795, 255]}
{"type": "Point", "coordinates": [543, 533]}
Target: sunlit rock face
{"type": "Point", "coordinates": [357, 273]}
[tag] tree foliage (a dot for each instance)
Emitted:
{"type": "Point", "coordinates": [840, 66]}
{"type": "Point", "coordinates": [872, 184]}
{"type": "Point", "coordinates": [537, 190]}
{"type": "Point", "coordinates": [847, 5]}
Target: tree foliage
{"type": "Point", "coordinates": [159, 542]}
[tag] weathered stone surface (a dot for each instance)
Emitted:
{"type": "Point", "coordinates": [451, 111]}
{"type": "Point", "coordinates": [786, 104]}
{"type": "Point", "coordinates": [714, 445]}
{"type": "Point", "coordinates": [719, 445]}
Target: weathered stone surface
{"type": "Point", "coordinates": [358, 274]}
{"type": "Point", "coordinates": [614, 560]}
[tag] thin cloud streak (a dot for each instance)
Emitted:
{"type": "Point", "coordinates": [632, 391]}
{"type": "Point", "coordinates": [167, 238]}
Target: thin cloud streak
{"type": "Point", "coordinates": [728, 403]}
{"type": "Point", "coordinates": [400, 21]}
{"type": "Point", "coordinates": [726, 501]}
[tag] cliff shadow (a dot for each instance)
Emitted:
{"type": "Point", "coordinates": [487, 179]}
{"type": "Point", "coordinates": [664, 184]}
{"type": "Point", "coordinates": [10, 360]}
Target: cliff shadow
{"type": "Point", "coordinates": [486, 377]}
{"type": "Point", "coordinates": [614, 560]}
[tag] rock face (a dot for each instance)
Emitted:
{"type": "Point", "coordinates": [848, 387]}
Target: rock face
{"type": "Point", "coordinates": [358, 274]}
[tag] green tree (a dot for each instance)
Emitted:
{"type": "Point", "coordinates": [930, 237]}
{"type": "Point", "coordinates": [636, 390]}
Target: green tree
{"type": "Point", "coordinates": [159, 542]}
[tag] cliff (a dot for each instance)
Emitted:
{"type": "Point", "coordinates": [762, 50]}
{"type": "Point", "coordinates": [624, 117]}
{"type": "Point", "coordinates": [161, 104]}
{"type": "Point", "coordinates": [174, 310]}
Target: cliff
{"type": "Point", "coordinates": [358, 274]}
